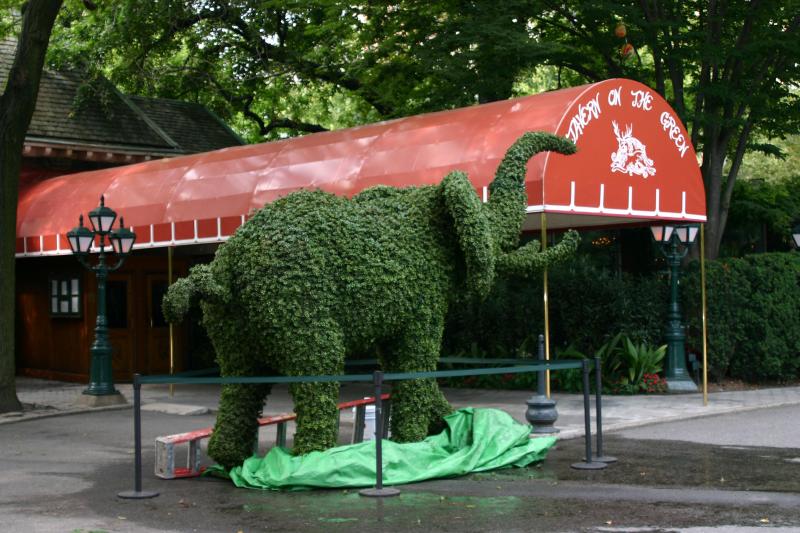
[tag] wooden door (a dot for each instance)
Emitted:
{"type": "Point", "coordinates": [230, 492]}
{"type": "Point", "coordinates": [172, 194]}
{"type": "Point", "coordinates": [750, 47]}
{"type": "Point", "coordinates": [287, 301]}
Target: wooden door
{"type": "Point", "coordinates": [157, 336]}
{"type": "Point", "coordinates": [120, 316]}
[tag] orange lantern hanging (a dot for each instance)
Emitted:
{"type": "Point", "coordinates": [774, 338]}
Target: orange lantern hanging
{"type": "Point", "coordinates": [626, 51]}
{"type": "Point", "coordinates": [620, 31]}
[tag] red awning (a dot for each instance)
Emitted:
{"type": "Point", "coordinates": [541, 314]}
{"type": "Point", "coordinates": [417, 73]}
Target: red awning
{"type": "Point", "coordinates": [635, 164]}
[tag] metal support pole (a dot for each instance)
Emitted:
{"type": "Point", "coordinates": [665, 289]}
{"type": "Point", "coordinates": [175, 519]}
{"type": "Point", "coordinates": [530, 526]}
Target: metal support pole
{"type": "Point", "coordinates": [598, 402]}
{"type": "Point", "coordinates": [541, 375]}
{"type": "Point", "coordinates": [137, 492]}
{"type": "Point", "coordinates": [171, 332]}
{"type": "Point", "coordinates": [546, 304]}
{"type": "Point", "coordinates": [358, 426]}
{"type": "Point", "coordinates": [703, 297]}
{"type": "Point", "coordinates": [387, 413]}
{"type": "Point", "coordinates": [378, 380]}
{"type": "Point", "coordinates": [280, 436]}
{"type": "Point", "coordinates": [587, 464]}
{"type": "Point", "coordinates": [379, 490]}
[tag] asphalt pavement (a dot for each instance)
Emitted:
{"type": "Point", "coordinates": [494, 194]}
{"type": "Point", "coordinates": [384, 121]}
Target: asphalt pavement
{"type": "Point", "coordinates": [733, 465]}
{"type": "Point", "coordinates": [52, 398]}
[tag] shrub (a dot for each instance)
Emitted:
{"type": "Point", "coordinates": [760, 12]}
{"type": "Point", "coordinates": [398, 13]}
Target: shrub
{"type": "Point", "coordinates": [627, 367]}
{"type": "Point", "coordinates": [753, 309]}
{"type": "Point", "coordinates": [588, 305]}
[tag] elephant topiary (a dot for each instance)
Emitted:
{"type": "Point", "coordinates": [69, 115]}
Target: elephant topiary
{"type": "Point", "coordinates": [313, 277]}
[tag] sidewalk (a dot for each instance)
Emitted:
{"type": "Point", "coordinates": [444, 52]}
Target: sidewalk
{"type": "Point", "coordinates": [44, 398]}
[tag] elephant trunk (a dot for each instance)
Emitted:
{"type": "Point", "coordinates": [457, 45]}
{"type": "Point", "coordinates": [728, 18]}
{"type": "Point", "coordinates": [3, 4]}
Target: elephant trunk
{"type": "Point", "coordinates": [508, 200]}
{"type": "Point", "coordinates": [186, 292]}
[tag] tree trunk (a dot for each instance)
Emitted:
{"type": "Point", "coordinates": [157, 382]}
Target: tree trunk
{"type": "Point", "coordinates": [716, 211]}
{"type": "Point", "coordinates": [16, 109]}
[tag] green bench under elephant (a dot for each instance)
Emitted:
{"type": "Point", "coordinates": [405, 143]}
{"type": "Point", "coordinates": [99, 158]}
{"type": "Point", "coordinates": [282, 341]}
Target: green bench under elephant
{"type": "Point", "coordinates": [313, 277]}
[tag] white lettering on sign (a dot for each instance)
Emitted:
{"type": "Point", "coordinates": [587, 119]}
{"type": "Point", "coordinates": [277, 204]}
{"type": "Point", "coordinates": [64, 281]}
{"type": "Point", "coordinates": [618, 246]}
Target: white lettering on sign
{"type": "Point", "coordinates": [615, 97]}
{"type": "Point", "coordinates": [642, 100]}
{"type": "Point", "coordinates": [586, 113]}
{"type": "Point", "coordinates": [670, 125]}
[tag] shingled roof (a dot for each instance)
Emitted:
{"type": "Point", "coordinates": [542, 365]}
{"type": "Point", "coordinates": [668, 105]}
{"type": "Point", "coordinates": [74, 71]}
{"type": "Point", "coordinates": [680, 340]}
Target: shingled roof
{"type": "Point", "coordinates": [154, 126]}
{"type": "Point", "coordinates": [193, 127]}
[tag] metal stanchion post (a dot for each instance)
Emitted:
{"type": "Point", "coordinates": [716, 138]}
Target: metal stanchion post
{"type": "Point", "coordinates": [137, 492]}
{"type": "Point", "coordinates": [379, 490]}
{"type": "Point", "coordinates": [541, 413]}
{"type": "Point", "coordinates": [587, 464]}
{"type": "Point", "coordinates": [598, 402]}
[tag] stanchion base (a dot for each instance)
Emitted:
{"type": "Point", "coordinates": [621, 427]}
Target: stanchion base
{"type": "Point", "coordinates": [543, 431]}
{"type": "Point", "coordinates": [605, 459]}
{"type": "Point", "coordinates": [137, 494]}
{"type": "Point", "coordinates": [593, 465]}
{"type": "Point", "coordinates": [379, 493]}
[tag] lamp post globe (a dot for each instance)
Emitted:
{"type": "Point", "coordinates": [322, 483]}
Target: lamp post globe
{"type": "Point", "coordinates": [674, 243]}
{"type": "Point", "coordinates": [102, 218]}
{"type": "Point", "coordinates": [122, 239]}
{"type": "Point", "coordinates": [80, 238]}
{"type": "Point", "coordinates": [101, 390]}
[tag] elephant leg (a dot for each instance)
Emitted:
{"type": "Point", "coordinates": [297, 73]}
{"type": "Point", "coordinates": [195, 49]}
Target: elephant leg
{"type": "Point", "coordinates": [236, 428]}
{"type": "Point", "coordinates": [418, 406]}
{"type": "Point", "coordinates": [315, 352]}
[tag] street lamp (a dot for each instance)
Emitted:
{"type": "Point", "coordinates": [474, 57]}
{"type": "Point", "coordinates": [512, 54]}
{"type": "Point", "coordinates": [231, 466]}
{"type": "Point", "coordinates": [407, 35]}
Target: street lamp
{"type": "Point", "coordinates": [675, 242]}
{"type": "Point", "coordinates": [101, 389]}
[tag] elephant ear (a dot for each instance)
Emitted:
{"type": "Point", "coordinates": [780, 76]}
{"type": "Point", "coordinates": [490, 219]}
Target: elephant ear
{"type": "Point", "coordinates": [473, 231]}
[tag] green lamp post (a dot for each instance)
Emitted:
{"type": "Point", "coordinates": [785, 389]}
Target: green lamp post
{"type": "Point", "coordinates": [101, 389]}
{"type": "Point", "coordinates": [675, 242]}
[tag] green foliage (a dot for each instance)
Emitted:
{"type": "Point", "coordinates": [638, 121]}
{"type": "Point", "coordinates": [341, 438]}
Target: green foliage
{"type": "Point", "coordinates": [638, 359]}
{"type": "Point", "coordinates": [762, 215]}
{"type": "Point", "coordinates": [313, 277]}
{"type": "Point", "coordinates": [707, 60]}
{"type": "Point", "coordinates": [588, 304]}
{"type": "Point", "coordinates": [753, 310]}
{"type": "Point", "coordinates": [275, 69]}
{"type": "Point", "coordinates": [521, 381]}
{"type": "Point", "coordinates": [778, 164]}
{"type": "Point", "coordinates": [628, 367]}
{"type": "Point", "coordinates": [473, 231]}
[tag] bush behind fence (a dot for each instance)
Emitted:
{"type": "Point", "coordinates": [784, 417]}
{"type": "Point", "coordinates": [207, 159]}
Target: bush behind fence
{"type": "Point", "coordinates": [753, 314]}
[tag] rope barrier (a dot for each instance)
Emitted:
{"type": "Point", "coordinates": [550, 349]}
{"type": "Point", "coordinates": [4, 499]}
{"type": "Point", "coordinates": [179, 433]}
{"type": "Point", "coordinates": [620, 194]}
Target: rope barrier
{"type": "Point", "coordinates": [377, 378]}
{"type": "Point", "coordinates": [241, 380]}
{"type": "Point", "coordinates": [453, 360]}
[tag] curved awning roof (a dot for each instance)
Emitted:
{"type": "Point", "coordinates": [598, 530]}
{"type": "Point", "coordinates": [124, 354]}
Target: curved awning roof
{"type": "Point", "coordinates": [635, 164]}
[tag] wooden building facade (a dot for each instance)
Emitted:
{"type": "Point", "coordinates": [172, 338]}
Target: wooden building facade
{"type": "Point", "coordinates": [56, 296]}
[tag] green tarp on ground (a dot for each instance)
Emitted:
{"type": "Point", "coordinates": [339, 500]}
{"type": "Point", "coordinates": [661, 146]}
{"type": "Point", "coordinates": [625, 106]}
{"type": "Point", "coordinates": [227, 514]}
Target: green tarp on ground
{"type": "Point", "coordinates": [476, 440]}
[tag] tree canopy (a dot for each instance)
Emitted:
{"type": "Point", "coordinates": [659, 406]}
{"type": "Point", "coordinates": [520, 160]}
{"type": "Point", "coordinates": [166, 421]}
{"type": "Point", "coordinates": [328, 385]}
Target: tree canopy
{"type": "Point", "coordinates": [274, 68]}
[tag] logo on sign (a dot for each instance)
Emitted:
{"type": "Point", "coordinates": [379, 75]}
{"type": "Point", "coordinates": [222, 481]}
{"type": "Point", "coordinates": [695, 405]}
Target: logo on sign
{"type": "Point", "coordinates": [631, 155]}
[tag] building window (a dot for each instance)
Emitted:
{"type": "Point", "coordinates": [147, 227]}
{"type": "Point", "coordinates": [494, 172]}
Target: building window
{"type": "Point", "coordinates": [65, 296]}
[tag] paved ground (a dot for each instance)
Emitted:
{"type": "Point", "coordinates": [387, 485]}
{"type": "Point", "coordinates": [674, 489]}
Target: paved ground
{"type": "Point", "coordinates": [735, 469]}
{"type": "Point", "coordinates": [49, 398]}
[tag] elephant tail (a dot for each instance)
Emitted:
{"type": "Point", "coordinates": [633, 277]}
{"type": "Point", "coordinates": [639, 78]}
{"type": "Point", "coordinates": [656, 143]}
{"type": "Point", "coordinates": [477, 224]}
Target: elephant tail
{"type": "Point", "coordinates": [187, 292]}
